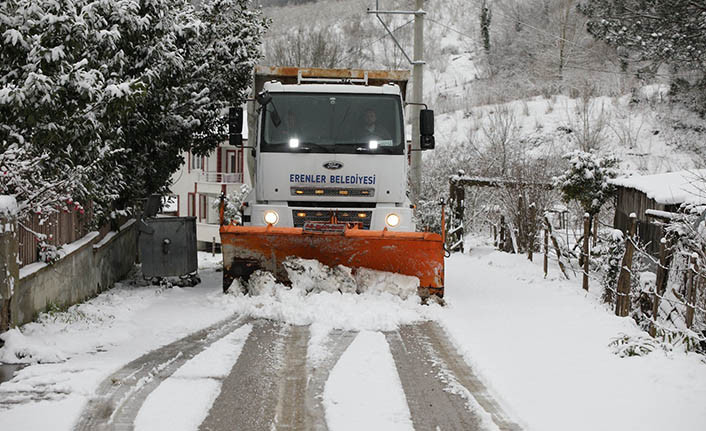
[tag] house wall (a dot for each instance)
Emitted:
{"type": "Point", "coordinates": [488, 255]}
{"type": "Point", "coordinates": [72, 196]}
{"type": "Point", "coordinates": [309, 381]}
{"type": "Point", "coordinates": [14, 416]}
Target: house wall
{"type": "Point", "coordinates": [90, 267]}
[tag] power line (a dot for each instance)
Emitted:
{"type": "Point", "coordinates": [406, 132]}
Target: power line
{"type": "Point", "coordinates": [360, 45]}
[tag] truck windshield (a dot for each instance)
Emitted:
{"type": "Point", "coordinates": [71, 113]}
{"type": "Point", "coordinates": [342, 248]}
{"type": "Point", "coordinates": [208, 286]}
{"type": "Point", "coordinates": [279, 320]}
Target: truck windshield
{"type": "Point", "coordinates": [333, 123]}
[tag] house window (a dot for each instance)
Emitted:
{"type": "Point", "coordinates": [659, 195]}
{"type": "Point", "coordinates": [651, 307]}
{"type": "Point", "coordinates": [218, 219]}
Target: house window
{"type": "Point", "coordinates": [203, 208]}
{"type": "Point", "coordinates": [197, 162]}
{"type": "Point", "coordinates": [191, 205]}
{"type": "Point", "coordinates": [234, 161]}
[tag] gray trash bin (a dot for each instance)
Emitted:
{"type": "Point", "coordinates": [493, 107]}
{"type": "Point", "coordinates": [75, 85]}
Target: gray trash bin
{"type": "Point", "coordinates": [168, 246]}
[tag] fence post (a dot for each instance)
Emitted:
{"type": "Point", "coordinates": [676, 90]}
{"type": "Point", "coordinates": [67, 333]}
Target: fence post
{"type": "Point", "coordinates": [665, 261]}
{"type": "Point", "coordinates": [457, 197]}
{"type": "Point", "coordinates": [546, 252]}
{"type": "Point", "coordinates": [693, 270]}
{"type": "Point", "coordinates": [532, 230]}
{"type": "Point", "coordinates": [556, 247]}
{"type": "Point", "coordinates": [585, 251]}
{"type": "Point", "coordinates": [622, 301]}
{"type": "Point", "coordinates": [9, 269]}
{"type": "Point", "coordinates": [495, 235]}
{"type": "Point", "coordinates": [503, 233]}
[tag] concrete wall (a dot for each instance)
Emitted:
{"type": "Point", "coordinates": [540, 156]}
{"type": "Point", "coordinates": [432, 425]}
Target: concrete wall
{"type": "Point", "coordinates": [90, 267]}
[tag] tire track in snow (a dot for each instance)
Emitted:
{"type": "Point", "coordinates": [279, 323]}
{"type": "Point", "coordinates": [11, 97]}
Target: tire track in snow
{"type": "Point", "coordinates": [441, 389]}
{"type": "Point", "coordinates": [120, 396]}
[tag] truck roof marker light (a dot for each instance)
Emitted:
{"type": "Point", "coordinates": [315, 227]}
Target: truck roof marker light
{"type": "Point", "coordinates": [319, 192]}
{"type": "Point", "coordinates": [299, 192]}
{"type": "Point", "coordinates": [373, 145]}
{"type": "Point", "coordinates": [343, 192]}
{"type": "Point", "coordinates": [301, 214]}
{"type": "Point", "coordinates": [293, 143]}
{"type": "Point", "coordinates": [362, 215]}
{"type": "Point", "coordinates": [364, 192]}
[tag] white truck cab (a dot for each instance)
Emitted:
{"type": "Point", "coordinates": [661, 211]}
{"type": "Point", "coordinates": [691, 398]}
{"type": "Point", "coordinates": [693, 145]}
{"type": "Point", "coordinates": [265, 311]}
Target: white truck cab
{"type": "Point", "coordinates": [329, 152]}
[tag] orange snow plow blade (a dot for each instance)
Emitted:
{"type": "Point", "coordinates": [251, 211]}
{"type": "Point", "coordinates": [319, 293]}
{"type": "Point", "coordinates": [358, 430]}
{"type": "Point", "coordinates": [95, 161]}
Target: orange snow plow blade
{"type": "Point", "coordinates": [249, 248]}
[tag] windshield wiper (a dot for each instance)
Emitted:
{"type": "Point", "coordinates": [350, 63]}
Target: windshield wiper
{"type": "Point", "coordinates": [308, 146]}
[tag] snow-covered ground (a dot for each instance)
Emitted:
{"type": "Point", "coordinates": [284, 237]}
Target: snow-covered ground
{"type": "Point", "coordinates": [542, 346]}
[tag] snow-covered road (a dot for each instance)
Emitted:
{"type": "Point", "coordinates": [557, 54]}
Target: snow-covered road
{"type": "Point", "coordinates": [511, 350]}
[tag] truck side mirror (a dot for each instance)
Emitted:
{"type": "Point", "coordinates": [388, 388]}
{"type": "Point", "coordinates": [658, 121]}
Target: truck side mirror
{"type": "Point", "coordinates": [235, 126]}
{"type": "Point", "coordinates": [426, 129]}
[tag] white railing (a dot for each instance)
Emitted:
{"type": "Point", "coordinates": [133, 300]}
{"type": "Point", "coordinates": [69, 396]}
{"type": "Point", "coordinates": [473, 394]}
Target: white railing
{"type": "Point", "coordinates": [221, 177]}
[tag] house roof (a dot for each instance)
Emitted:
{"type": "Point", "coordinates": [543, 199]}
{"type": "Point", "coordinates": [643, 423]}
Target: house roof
{"type": "Point", "coordinates": [670, 188]}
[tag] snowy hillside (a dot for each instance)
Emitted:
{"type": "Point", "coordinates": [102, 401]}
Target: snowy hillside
{"type": "Point", "coordinates": [632, 118]}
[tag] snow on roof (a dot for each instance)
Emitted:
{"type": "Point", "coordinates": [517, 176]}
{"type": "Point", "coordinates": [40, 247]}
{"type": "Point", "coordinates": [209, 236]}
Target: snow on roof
{"type": "Point", "coordinates": [8, 205]}
{"type": "Point", "coordinates": [669, 188]}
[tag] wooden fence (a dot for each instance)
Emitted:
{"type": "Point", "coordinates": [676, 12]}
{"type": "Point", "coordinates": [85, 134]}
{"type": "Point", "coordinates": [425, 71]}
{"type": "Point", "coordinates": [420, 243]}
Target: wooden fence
{"type": "Point", "coordinates": [63, 227]}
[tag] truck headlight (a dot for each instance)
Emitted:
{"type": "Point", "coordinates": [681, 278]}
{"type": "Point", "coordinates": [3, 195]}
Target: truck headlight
{"type": "Point", "coordinates": [392, 220]}
{"type": "Point", "coordinates": [271, 217]}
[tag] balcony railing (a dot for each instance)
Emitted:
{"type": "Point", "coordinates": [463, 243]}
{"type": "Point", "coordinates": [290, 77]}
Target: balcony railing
{"type": "Point", "coordinates": [221, 177]}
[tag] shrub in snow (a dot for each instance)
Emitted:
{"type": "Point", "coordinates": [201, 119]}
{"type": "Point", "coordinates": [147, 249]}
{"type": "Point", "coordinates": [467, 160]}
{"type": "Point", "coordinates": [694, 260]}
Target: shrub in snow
{"type": "Point", "coordinates": [635, 345]}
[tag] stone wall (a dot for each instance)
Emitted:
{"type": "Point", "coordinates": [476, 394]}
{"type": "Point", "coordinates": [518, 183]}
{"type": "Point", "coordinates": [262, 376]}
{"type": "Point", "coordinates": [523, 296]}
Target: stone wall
{"type": "Point", "coordinates": [90, 266]}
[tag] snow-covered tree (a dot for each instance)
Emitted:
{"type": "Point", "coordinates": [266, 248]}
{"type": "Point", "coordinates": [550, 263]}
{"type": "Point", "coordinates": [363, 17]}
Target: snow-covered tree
{"type": "Point", "coordinates": [114, 92]}
{"type": "Point", "coordinates": [669, 31]}
{"type": "Point", "coordinates": [586, 180]}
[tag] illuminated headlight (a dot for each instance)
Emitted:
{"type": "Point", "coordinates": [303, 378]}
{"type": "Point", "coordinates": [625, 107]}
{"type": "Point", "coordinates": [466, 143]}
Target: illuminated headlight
{"type": "Point", "coordinates": [271, 217]}
{"type": "Point", "coordinates": [373, 145]}
{"type": "Point", "coordinates": [392, 220]}
{"type": "Point", "coordinates": [293, 143]}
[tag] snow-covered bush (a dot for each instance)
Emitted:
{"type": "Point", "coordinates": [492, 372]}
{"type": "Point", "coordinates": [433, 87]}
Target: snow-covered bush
{"type": "Point", "coordinates": [586, 180]}
{"type": "Point", "coordinates": [607, 255]}
{"type": "Point", "coordinates": [233, 205]}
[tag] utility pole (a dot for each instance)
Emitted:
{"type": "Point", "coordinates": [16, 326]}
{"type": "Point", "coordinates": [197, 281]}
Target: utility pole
{"type": "Point", "coordinates": [417, 84]}
{"type": "Point", "coordinates": [417, 96]}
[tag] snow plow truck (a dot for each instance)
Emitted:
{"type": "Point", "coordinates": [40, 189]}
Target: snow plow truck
{"type": "Point", "coordinates": [328, 161]}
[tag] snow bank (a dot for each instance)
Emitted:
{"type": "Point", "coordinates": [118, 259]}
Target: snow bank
{"type": "Point", "coordinates": [19, 349]}
{"type": "Point", "coordinates": [549, 350]}
{"type": "Point", "coordinates": [364, 391]}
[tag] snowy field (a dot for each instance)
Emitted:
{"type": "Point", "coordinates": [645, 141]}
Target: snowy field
{"type": "Point", "coordinates": [542, 346]}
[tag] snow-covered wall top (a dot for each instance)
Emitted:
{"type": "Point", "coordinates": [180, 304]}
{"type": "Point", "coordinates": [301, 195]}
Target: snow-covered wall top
{"type": "Point", "coordinates": [670, 188]}
{"type": "Point", "coordinates": [8, 205]}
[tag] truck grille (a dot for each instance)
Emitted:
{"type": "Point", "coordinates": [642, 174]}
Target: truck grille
{"type": "Point", "coordinates": [332, 191]}
{"type": "Point", "coordinates": [301, 216]}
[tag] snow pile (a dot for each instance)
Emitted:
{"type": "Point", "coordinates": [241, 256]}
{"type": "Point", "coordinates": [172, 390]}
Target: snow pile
{"type": "Point", "coordinates": [19, 349]}
{"type": "Point", "coordinates": [325, 296]}
{"type": "Point", "coordinates": [364, 390]}
{"type": "Point", "coordinates": [312, 276]}
{"type": "Point", "coordinates": [376, 282]}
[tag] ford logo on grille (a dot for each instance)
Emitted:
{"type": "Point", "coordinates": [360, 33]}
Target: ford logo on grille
{"type": "Point", "coordinates": [333, 165]}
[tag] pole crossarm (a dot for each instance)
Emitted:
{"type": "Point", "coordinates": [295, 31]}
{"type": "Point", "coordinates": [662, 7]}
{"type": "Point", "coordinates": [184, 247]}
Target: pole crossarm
{"type": "Point", "coordinates": [398, 12]}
